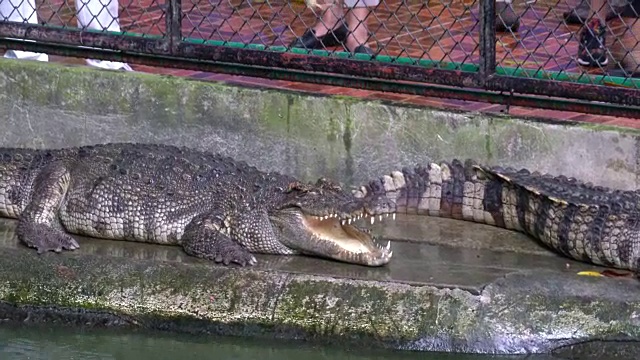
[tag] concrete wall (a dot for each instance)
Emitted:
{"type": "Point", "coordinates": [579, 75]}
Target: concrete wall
{"type": "Point", "coordinates": [49, 105]}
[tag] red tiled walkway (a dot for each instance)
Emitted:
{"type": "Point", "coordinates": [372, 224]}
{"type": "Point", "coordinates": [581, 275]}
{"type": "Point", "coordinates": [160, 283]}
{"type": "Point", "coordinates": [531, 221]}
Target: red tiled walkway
{"type": "Point", "coordinates": [433, 102]}
{"type": "Point", "coordinates": [440, 103]}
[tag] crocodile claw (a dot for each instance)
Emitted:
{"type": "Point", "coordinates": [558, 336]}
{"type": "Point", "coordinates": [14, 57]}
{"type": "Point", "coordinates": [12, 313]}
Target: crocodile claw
{"type": "Point", "coordinates": [44, 238]}
{"type": "Point", "coordinates": [241, 258]}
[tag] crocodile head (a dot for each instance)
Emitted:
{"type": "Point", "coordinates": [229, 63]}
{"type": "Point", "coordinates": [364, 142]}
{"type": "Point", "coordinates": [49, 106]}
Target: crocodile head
{"type": "Point", "coordinates": [318, 219]}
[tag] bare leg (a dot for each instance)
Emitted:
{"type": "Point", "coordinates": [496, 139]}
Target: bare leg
{"type": "Point", "coordinates": [329, 19]}
{"type": "Point", "coordinates": [359, 11]}
{"type": "Point", "coordinates": [328, 31]}
{"type": "Point", "coordinates": [599, 10]}
{"type": "Point", "coordinates": [357, 23]}
{"type": "Point", "coordinates": [506, 17]}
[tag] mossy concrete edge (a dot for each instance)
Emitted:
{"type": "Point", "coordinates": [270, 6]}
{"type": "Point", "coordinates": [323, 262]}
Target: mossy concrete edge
{"type": "Point", "coordinates": [309, 136]}
{"type": "Point", "coordinates": [529, 313]}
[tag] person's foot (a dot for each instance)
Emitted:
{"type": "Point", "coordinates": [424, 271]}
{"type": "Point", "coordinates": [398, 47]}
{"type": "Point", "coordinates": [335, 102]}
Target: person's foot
{"type": "Point", "coordinates": [579, 14]}
{"type": "Point", "coordinates": [110, 65]}
{"type": "Point", "coordinates": [26, 55]}
{"type": "Point", "coordinates": [363, 49]}
{"type": "Point", "coordinates": [506, 17]}
{"type": "Point", "coordinates": [592, 50]}
{"type": "Point", "coordinates": [309, 40]}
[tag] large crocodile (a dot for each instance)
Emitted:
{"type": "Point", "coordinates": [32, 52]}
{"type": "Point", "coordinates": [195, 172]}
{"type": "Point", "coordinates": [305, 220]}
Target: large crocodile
{"type": "Point", "coordinates": [214, 207]}
{"type": "Point", "coordinates": [579, 220]}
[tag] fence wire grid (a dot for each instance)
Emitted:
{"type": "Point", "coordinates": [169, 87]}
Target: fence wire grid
{"type": "Point", "coordinates": [558, 48]}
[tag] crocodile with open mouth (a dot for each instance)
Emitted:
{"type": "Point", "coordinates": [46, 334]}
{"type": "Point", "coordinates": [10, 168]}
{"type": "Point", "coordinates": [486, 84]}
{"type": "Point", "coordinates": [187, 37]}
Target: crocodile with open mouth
{"type": "Point", "coordinates": [213, 206]}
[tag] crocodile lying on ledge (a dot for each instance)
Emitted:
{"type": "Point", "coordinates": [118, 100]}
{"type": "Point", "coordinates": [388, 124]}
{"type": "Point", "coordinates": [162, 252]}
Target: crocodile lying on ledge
{"type": "Point", "coordinates": [579, 220]}
{"type": "Point", "coordinates": [214, 207]}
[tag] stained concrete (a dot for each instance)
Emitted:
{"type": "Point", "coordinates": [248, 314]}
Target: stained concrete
{"type": "Point", "coordinates": [452, 286]}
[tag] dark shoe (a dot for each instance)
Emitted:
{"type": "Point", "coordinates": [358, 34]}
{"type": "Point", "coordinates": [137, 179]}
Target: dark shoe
{"type": "Point", "coordinates": [506, 17]}
{"type": "Point", "coordinates": [363, 49]}
{"type": "Point", "coordinates": [592, 50]}
{"type": "Point", "coordinates": [309, 40]}
{"type": "Point", "coordinates": [580, 13]}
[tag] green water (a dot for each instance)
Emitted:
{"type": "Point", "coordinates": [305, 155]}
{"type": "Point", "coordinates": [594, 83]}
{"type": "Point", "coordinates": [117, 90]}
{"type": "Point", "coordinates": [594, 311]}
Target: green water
{"type": "Point", "coordinates": [40, 343]}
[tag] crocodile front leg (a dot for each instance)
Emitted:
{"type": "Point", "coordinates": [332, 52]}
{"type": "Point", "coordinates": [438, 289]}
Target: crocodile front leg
{"type": "Point", "coordinates": [207, 237]}
{"type": "Point", "coordinates": [38, 225]}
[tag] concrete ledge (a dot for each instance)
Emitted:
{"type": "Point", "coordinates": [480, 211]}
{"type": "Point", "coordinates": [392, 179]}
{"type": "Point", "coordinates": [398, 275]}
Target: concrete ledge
{"type": "Point", "coordinates": [513, 310]}
{"type": "Point", "coordinates": [351, 140]}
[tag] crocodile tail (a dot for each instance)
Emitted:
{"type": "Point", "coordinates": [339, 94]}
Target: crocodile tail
{"type": "Point", "coordinates": [450, 190]}
{"type": "Point", "coordinates": [582, 221]}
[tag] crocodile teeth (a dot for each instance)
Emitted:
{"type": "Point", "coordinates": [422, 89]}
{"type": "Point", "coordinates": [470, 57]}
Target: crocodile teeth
{"type": "Point", "coordinates": [373, 219]}
{"type": "Point", "coordinates": [388, 245]}
{"type": "Point", "coordinates": [342, 222]}
{"type": "Point", "coordinates": [380, 217]}
{"type": "Point", "coordinates": [394, 216]}
{"type": "Point", "coordinates": [349, 221]}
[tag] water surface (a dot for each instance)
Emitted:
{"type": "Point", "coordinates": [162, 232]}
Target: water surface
{"type": "Point", "coordinates": [57, 343]}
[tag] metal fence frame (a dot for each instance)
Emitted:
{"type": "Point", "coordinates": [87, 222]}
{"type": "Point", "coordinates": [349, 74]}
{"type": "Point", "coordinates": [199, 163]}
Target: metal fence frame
{"type": "Point", "coordinates": [478, 82]}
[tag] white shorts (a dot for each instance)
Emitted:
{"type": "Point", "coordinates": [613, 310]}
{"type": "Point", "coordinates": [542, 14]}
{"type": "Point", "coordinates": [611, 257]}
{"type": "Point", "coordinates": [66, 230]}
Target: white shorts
{"type": "Point", "coordinates": [345, 3]}
{"type": "Point", "coordinates": [360, 3]}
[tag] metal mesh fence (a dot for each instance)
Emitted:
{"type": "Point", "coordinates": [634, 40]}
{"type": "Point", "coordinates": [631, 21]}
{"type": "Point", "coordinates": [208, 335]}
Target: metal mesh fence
{"type": "Point", "coordinates": [549, 40]}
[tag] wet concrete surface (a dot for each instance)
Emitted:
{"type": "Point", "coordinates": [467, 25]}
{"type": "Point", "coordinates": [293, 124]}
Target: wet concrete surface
{"type": "Point", "coordinates": [452, 286]}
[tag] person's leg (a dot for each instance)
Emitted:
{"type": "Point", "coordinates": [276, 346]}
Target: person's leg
{"type": "Point", "coordinates": [506, 17]}
{"type": "Point", "coordinates": [592, 50]}
{"type": "Point", "coordinates": [21, 11]}
{"type": "Point", "coordinates": [359, 33]}
{"type": "Point", "coordinates": [329, 19]}
{"type": "Point", "coordinates": [328, 31]}
{"type": "Point", "coordinates": [579, 14]}
{"type": "Point", "coordinates": [357, 15]}
{"type": "Point", "coordinates": [100, 15]}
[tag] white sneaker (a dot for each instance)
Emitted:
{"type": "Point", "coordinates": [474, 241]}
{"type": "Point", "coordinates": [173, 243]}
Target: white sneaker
{"type": "Point", "coordinates": [110, 65]}
{"type": "Point", "coordinates": [26, 55]}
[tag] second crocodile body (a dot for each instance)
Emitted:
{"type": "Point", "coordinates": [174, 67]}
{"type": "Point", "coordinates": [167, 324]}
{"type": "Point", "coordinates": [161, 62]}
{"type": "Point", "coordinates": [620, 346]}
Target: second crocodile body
{"type": "Point", "coordinates": [579, 220]}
